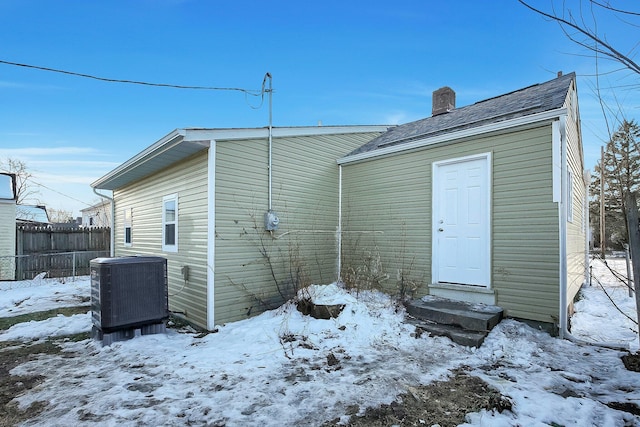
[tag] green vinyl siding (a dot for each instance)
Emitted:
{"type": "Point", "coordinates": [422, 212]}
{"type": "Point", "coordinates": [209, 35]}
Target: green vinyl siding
{"type": "Point", "coordinates": [387, 218]}
{"type": "Point", "coordinates": [187, 179]}
{"type": "Point", "coordinates": [254, 269]}
{"type": "Point", "coordinates": [576, 229]}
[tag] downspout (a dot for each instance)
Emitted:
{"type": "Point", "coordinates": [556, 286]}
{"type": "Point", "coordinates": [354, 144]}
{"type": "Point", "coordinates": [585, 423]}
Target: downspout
{"type": "Point", "coordinates": [560, 126]}
{"type": "Point", "coordinates": [112, 241]}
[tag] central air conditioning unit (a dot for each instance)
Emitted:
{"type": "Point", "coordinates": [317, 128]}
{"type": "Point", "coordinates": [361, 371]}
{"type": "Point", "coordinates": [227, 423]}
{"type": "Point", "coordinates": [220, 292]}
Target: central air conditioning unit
{"type": "Point", "coordinates": [128, 294]}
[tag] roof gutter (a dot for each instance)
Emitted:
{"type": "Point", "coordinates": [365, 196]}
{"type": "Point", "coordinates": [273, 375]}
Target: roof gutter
{"type": "Point", "coordinates": [202, 137]}
{"type": "Point", "coordinates": [159, 147]}
{"type": "Point", "coordinates": [448, 137]}
{"type": "Point", "coordinates": [230, 134]}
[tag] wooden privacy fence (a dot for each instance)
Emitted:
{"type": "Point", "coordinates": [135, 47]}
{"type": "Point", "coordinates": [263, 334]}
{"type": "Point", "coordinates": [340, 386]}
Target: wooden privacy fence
{"type": "Point", "coordinates": [37, 240]}
{"type": "Point", "coordinates": [60, 252]}
{"type": "Point", "coordinates": [61, 264]}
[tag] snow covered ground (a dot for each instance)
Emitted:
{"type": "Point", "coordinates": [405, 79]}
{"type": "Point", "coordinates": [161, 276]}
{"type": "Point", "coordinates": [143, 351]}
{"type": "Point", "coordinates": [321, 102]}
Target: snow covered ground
{"type": "Point", "coordinates": [273, 370]}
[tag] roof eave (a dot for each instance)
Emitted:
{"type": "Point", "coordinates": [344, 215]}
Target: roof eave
{"type": "Point", "coordinates": [447, 137]}
{"type": "Point", "coordinates": [107, 181]}
{"type": "Point", "coordinates": [184, 142]}
{"type": "Point", "coordinates": [197, 134]}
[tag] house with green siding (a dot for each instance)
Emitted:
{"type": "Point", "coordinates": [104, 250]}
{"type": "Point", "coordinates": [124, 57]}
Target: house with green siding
{"type": "Point", "coordinates": [485, 204]}
{"type": "Point", "coordinates": [206, 200]}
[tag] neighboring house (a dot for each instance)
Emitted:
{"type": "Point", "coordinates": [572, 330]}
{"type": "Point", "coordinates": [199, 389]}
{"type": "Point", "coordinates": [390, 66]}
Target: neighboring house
{"type": "Point", "coordinates": [8, 198]}
{"type": "Point", "coordinates": [32, 215]}
{"type": "Point", "coordinates": [98, 215]}
{"type": "Point", "coordinates": [485, 203]}
{"type": "Point", "coordinates": [202, 198]}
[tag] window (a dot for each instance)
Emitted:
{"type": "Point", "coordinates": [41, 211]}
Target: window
{"type": "Point", "coordinates": [127, 226]}
{"type": "Point", "coordinates": [569, 196]}
{"type": "Point", "coordinates": [170, 223]}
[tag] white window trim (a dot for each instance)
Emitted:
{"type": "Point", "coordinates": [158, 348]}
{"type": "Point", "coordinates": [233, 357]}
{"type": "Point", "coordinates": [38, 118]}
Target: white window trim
{"type": "Point", "coordinates": [165, 247]}
{"type": "Point", "coordinates": [128, 224]}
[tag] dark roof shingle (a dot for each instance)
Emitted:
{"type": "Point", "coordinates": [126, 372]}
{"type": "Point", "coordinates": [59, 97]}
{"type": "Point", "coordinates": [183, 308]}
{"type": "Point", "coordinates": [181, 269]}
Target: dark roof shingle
{"type": "Point", "coordinates": [523, 102]}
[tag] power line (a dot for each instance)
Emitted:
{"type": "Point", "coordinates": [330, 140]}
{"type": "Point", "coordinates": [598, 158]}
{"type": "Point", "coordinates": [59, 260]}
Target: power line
{"type": "Point", "coordinates": [56, 191]}
{"type": "Point", "coordinates": [134, 82]}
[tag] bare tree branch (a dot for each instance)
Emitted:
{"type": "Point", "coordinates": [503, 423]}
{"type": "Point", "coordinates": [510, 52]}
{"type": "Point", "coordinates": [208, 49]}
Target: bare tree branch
{"type": "Point", "coordinates": [600, 44]}
{"type": "Point", "coordinates": [613, 9]}
{"type": "Point", "coordinates": [24, 189]}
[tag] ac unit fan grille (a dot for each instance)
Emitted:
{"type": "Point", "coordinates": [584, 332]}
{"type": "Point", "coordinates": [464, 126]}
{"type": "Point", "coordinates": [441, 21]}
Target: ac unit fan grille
{"type": "Point", "coordinates": [128, 292]}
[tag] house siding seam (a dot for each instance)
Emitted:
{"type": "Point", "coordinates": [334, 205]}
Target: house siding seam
{"type": "Point", "coordinates": [187, 179]}
{"type": "Point", "coordinates": [305, 181]}
{"type": "Point", "coordinates": [387, 219]}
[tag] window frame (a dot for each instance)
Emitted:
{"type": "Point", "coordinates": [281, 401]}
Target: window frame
{"type": "Point", "coordinates": [127, 224]}
{"type": "Point", "coordinates": [173, 247]}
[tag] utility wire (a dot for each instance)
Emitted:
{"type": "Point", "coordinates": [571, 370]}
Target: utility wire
{"type": "Point", "coordinates": [56, 191]}
{"type": "Point", "coordinates": [134, 82]}
{"type": "Point", "coordinates": [262, 92]}
{"type": "Point", "coordinates": [635, 322]}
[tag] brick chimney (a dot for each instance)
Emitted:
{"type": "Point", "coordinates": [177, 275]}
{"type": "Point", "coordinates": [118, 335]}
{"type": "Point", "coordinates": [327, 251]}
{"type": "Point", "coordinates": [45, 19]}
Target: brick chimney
{"type": "Point", "coordinates": [444, 100]}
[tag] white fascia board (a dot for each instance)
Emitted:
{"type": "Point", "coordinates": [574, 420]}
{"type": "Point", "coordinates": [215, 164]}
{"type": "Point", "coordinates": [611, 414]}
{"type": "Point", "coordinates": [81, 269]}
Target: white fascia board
{"type": "Point", "coordinates": [447, 137]}
{"type": "Point", "coordinates": [251, 133]}
{"type": "Point", "coordinates": [204, 136]}
{"type": "Point", "coordinates": [151, 151]}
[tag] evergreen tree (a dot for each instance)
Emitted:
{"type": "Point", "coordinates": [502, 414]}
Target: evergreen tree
{"type": "Point", "coordinates": [621, 174]}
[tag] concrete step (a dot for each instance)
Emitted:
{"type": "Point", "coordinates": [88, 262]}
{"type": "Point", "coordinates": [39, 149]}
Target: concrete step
{"type": "Point", "coordinates": [473, 317]}
{"type": "Point", "coordinates": [455, 333]}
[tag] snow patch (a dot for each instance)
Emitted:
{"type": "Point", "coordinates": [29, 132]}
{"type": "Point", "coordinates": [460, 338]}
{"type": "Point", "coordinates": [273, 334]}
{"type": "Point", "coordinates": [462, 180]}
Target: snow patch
{"type": "Point", "coordinates": [284, 368]}
{"type": "Point", "coordinates": [330, 294]}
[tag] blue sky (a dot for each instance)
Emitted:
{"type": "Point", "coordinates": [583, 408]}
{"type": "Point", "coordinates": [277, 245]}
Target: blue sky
{"type": "Point", "coordinates": [339, 62]}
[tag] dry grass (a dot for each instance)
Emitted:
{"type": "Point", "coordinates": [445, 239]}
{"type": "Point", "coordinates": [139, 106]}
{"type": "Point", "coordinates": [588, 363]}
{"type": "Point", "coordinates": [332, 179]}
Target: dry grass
{"type": "Point", "coordinates": [15, 353]}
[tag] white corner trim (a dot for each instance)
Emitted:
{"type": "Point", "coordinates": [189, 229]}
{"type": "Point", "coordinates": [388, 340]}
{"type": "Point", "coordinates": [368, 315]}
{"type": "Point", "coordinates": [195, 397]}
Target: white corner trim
{"type": "Point", "coordinates": [211, 235]}
{"type": "Point", "coordinates": [556, 161]}
{"type": "Point", "coordinates": [447, 137]}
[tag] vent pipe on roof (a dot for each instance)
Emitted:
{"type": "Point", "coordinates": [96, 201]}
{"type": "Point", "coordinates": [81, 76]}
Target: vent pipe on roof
{"type": "Point", "coordinates": [444, 100]}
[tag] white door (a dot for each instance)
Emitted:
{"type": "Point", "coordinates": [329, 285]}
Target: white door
{"type": "Point", "coordinates": [461, 222]}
